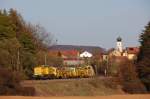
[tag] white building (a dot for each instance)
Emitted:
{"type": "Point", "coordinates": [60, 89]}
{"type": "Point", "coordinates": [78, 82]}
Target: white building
{"type": "Point", "coordinates": [86, 54]}
{"type": "Point", "coordinates": [130, 52]}
{"type": "Point", "coordinates": [119, 46]}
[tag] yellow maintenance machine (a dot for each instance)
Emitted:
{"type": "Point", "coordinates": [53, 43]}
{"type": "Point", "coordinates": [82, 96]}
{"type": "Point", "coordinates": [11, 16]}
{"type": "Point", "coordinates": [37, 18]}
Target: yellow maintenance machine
{"type": "Point", "coordinates": [38, 72]}
{"type": "Point", "coordinates": [45, 72]}
{"type": "Point", "coordinates": [66, 72]}
{"type": "Point", "coordinates": [49, 72]}
{"type": "Point", "coordinates": [85, 71]}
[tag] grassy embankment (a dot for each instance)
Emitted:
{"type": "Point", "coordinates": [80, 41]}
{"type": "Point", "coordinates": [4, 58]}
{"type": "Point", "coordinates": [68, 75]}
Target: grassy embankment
{"type": "Point", "coordinates": [74, 87]}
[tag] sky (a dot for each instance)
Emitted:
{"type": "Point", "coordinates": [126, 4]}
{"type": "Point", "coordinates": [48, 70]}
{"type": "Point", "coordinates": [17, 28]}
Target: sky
{"type": "Point", "coordinates": [86, 22]}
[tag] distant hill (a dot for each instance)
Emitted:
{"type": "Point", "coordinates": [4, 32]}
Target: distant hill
{"type": "Point", "coordinates": [76, 47]}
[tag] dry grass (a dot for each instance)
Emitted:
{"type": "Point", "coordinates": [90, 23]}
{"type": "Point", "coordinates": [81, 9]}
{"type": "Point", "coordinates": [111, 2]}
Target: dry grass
{"type": "Point", "coordinates": [85, 97]}
{"type": "Point", "coordinates": [76, 87]}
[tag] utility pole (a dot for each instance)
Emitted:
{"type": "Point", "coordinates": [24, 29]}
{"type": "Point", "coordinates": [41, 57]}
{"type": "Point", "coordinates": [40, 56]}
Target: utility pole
{"type": "Point", "coordinates": [18, 60]}
{"type": "Point", "coordinates": [45, 58]}
{"type": "Point", "coordinates": [106, 69]}
{"type": "Point", "coordinates": [95, 69]}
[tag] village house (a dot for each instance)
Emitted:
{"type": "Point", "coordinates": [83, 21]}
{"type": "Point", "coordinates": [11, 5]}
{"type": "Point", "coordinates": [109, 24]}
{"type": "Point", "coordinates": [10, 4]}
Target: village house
{"type": "Point", "coordinates": [70, 57]}
{"type": "Point", "coordinates": [86, 54]}
{"type": "Point", "coordinates": [76, 55]}
{"type": "Point", "coordinates": [73, 61]}
{"type": "Point", "coordinates": [76, 59]}
{"type": "Point", "coordinates": [64, 53]}
{"type": "Point", "coordinates": [129, 52]}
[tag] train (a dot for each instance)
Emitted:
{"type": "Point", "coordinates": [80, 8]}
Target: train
{"type": "Point", "coordinates": [51, 72]}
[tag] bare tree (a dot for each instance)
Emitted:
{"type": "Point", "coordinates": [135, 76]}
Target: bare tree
{"type": "Point", "coordinates": [45, 37]}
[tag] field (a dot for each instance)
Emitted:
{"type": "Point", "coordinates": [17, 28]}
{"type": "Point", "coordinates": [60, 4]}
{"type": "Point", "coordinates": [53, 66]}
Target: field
{"type": "Point", "coordinates": [74, 87]}
{"type": "Point", "coordinates": [83, 97]}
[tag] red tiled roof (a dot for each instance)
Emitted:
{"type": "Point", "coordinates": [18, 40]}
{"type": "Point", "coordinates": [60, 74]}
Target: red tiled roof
{"type": "Point", "coordinates": [132, 50]}
{"type": "Point", "coordinates": [73, 53]}
{"type": "Point", "coordinates": [67, 53]}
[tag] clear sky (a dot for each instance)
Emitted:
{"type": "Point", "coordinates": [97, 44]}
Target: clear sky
{"type": "Point", "coordinates": [86, 22]}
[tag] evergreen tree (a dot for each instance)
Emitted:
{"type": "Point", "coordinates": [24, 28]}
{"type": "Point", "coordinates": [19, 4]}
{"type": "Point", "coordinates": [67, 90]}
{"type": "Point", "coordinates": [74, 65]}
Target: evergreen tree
{"type": "Point", "coordinates": [17, 20]}
{"type": "Point", "coordinates": [143, 66]}
{"type": "Point", "coordinates": [6, 28]}
{"type": "Point", "coordinates": [27, 43]}
{"type": "Point", "coordinates": [20, 42]}
{"type": "Point", "coordinates": [8, 43]}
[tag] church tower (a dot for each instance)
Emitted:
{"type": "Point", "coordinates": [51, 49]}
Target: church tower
{"type": "Point", "coordinates": [119, 46]}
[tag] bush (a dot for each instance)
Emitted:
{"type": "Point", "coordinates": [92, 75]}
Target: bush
{"type": "Point", "coordinates": [28, 91]}
{"type": "Point", "coordinates": [10, 83]}
{"type": "Point", "coordinates": [135, 87]}
{"type": "Point", "coordinates": [128, 78]}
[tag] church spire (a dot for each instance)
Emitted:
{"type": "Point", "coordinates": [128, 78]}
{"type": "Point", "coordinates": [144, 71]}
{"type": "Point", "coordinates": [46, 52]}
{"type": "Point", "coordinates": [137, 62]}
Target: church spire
{"type": "Point", "coordinates": [119, 45]}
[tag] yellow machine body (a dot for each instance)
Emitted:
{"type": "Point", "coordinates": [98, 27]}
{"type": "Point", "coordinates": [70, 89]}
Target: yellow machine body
{"type": "Point", "coordinates": [63, 72]}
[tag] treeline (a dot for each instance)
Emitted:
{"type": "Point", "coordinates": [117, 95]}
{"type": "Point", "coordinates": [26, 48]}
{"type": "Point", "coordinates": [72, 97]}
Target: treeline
{"type": "Point", "coordinates": [21, 45]}
{"type": "Point", "coordinates": [21, 42]}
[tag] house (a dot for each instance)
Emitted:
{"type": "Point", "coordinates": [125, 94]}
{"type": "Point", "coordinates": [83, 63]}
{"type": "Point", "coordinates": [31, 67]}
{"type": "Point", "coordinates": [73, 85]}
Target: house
{"type": "Point", "coordinates": [105, 57]}
{"type": "Point", "coordinates": [86, 54]}
{"type": "Point", "coordinates": [69, 57]}
{"type": "Point", "coordinates": [64, 53]}
{"type": "Point", "coordinates": [76, 55]}
{"type": "Point", "coordinates": [129, 52]}
{"type": "Point", "coordinates": [114, 53]}
{"type": "Point", "coordinates": [69, 53]}
{"type": "Point", "coordinates": [72, 51]}
{"type": "Point", "coordinates": [73, 61]}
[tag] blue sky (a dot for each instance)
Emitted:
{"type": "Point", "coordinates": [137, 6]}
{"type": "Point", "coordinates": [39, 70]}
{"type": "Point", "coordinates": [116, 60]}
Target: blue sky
{"type": "Point", "coordinates": [86, 22]}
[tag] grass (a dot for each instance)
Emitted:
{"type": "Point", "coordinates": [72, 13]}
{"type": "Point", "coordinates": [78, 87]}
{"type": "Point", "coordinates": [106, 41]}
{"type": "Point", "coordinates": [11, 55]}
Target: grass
{"type": "Point", "coordinates": [88, 87]}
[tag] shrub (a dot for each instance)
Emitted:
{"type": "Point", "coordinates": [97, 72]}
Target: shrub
{"type": "Point", "coordinates": [10, 84]}
{"type": "Point", "coordinates": [28, 91]}
{"type": "Point", "coordinates": [128, 78]}
{"type": "Point", "coordinates": [135, 87]}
